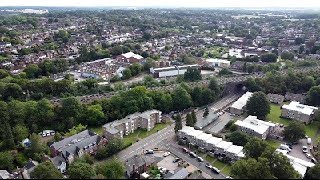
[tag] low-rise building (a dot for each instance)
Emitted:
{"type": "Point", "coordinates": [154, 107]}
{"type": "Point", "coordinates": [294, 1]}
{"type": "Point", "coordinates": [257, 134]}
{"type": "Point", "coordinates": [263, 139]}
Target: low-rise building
{"type": "Point", "coordinates": [253, 126]}
{"type": "Point", "coordinates": [235, 152]}
{"type": "Point", "coordinates": [275, 98]}
{"type": "Point", "coordinates": [238, 107]}
{"type": "Point", "coordinates": [218, 63]}
{"type": "Point", "coordinates": [139, 164]}
{"type": "Point", "coordinates": [301, 166]}
{"type": "Point", "coordinates": [171, 71]}
{"type": "Point", "coordinates": [145, 120]}
{"type": "Point", "coordinates": [77, 145]}
{"type": "Point", "coordinates": [295, 97]}
{"type": "Point", "coordinates": [299, 112]}
{"type": "Point", "coordinates": [129, 57]}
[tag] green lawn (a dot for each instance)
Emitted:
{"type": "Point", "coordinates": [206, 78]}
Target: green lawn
{"type": "Point", "coordinates": [225, 168]}
{"type": "Point", "coordinates": [141, 133]}
{"type": "Point", "coordinates": [273, 143]}
{"type": "Point", "coordinates": [274, 116]}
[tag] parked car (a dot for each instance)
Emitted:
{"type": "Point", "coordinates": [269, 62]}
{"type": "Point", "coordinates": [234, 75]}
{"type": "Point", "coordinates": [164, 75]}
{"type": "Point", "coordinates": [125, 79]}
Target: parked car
{"type": "Point", "coordinates": [290, 145]}
{"type": "Point", "coordinates": [216, 170]}
{"type": "Point", "coordinates": [314, 160]}
{"type": "Point", "coordinates": [228, 177]}
{"type": "Point", "coordinates": [166, 154]}
{"type": "Point", "coordinates": [208, 166]}
{"type": "Point", "coordinates": [304, 149]}
{"type": "Point", "coordinates": [199, 159]}
{"type": "Point", "coordinates": [285, 147]}
{"type": "Point", "coordinates": [149, 151]}
{"type": "Point", "coordinates": [309, 141]}
{"type": "Point", "coordinates": [308, 155]}
{"type": "Point", "coordinates": [192, 154]}
{"type": "Point", "coordinates": [176, 160]}
{"type": "Point", "coordinates": [185, 150]}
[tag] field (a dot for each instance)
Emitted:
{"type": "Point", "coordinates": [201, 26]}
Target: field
{"type": "Point", "coordinates": [223, 167]}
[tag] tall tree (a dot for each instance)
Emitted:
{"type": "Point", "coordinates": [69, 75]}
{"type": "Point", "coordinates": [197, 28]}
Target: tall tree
{"type": "Point", "coordinates": [313, 172]}
{"type": "Point", "coordinates": [294, 131]}
{"type": "Point", "coordinates": [194, 117]}
{"type": "Point", "coordinates": [258, 105]}
{"type": "Point", "coordinates": [112, 169]}
{"type": "Point", "coordinates": [189, 120]}
{"type": "Point", "coordinates": [192, 74]}
{"type": "Point", "coordinates": [254, 147]}
{"type": "Point", "coordinates": [178, 123]}
{"type": "Point", "coordinates": [181, 99]}
{"type": "Point", "coordinates": [206, 112]}
{"type": "Point", "coordinates": [20, 132]}
{"type": "Point", "coordinates": [238, 138]}
{"type": "Point", "coordinates": [46, 170]}
{"type": "Point", "coordinates": [79, 170]}
{"type": "Point", "coordinates": [6, 131]}
{"type": "Point", "coordinates": [313, 96]}
{"type": "Point", "coordinates": [6, 161]}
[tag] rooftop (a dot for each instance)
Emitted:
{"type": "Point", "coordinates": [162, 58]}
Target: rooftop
{"type": "Point", "coordinates": [234, 149]}
{"type": "Point", "coordinates": [224, 145]}
{"type": "Point", "coordinates": [131, 54]}
{"type": "Point", "coordinates": [214, 140]}
{"type": "Point", "coordinates": [218, 60]}
{"type": "Point", "coordinates": [296, 106]}
{"type": "Point", "coordinates": [242, 101]}
{"type": "Point", "coordinates": [253, 123]}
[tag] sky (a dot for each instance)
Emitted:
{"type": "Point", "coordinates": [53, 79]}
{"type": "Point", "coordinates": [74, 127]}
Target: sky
{"type": "Point", "coordinates": [167, 3]}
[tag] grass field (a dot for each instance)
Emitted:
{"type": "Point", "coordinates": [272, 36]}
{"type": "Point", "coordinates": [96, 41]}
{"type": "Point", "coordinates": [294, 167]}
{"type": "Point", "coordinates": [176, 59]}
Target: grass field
{"type": "Point", "coordinates": [223, 167]}
{"type": "Point", "coordinates": [275, 114]}
{"type": "Point", "coordinates": [273, 143]}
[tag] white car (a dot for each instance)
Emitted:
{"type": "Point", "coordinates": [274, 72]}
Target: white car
{"type": "Point", "coordinates": [166, 154]}
{"type": "Point", "coordinates": [304, 149]}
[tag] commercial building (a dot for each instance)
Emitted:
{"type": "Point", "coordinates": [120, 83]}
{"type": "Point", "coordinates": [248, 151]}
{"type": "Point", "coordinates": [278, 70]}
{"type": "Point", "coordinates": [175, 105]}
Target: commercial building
{"type": "Point", "coordinates": [218, 63]}
{"type": "Point", "coordinates": [299, 112]}
{"type": "Point", "coordinates": [238, 107]}
{"type": "Point", "coordinates": [255, 127]}
{"type": "Point", "coordinates": [171, 71]}
{"type": "Point", "coordinates": [145, 120]}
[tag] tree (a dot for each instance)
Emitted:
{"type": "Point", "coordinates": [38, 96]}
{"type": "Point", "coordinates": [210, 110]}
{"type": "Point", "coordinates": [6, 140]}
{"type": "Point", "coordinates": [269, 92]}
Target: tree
{"type": "Point", "coordinates": [114, 146]}
{"type": "Point", "coordinates": [178, 123]}
{"type": "Point", "coordinates": [225, 71]}
{"type": "Point", "coordinates": [126, 74]}
{"type": "Point", "coordinates": [194, 117]}
{"type": "Point", "coordinates": [254, 147]}
{"type": "Point", "coordinates": [251, 169]}
{"type": "Point", "coordinates": [269, 57]}
{"type": "Point", "coordinates": [79, 170]}
{"type": "Point", "coordinates": [135, 69]}
{"type": "Point", "coordinates": [206, 112]}
{"type": "Point", "coordinates": [214, 86]}
{"type": "Point", "coordinates": [313, 172]}
{"type": "Point", "coordinates": [149, 64]}
{"type": "Point", "coordinates": [6, 161]}
{"type": "Point", "coordinates": [94, 115]}
{"type": "Point", "coordinates": [313, 97]}
{"type": "Point", "coordinates": [189, 120]}
{"type": "Point", "coordinates": [287, 55]}
{"type": "Point", "coordinates": [294, 131]}
{"type": "Point", "coordinates": [181, 99]}
{"type": "Point", "coordinates": [37, 148]}
{"type": "Point", "coordinates": [20, 132]}
{"type": "Point", "coordinates": [258, 105]}
{"type": "Point", "coordinates": [76, 129]}
{"type": "Point", "coordinates": [238, 138]}
{"type": "Point", "coordinates": [192, 74]}
{"type": "Point", "coordinates": [112, 169]}
{"type": "Point", "coordinates": [5, 129]}
{"type": "Point", "coordinates": [32, 71]}
{"type": "Point", "coordinates": [46, 170]}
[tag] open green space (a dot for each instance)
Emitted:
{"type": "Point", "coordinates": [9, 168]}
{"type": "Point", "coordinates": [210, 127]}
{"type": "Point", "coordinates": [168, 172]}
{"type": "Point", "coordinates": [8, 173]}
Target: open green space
{"type": "Point", "coordinates": [273, 143]}
{"type": "Point", "coordinates": [142, 133]}
{"type": "Point", "coordinates": [225, 168]}
{"type": "Point", "coordinates": [274, 116]}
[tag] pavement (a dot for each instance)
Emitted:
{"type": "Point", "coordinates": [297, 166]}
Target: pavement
{"type": "Point", "coordinates": [297, 150]}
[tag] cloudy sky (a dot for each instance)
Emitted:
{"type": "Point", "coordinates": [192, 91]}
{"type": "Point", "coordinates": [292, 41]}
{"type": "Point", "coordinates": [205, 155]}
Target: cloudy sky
{"type": "Point", "coordinates": [174, 3]}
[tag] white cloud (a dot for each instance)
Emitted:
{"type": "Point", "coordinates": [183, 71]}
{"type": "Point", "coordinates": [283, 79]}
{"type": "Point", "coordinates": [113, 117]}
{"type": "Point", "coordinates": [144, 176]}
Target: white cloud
{"type": "Point", "coordinates": [180, 3]}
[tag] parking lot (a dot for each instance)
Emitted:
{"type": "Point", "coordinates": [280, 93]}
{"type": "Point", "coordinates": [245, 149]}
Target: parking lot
{"type": "Point", "coordinates": [297, 150]}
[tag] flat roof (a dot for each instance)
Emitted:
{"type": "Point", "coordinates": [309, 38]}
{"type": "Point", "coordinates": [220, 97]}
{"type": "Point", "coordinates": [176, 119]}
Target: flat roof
{"type": "Point", "coordinates": [218, 60]}
{"type": "Point", "coordinates": [214, 140]}
{"type": "Point", "coordinates": [253, 123]}
{"type": "Point", "coordinates": [234, 149]}
{"type": "Point", "coordinates": [296, 106]}
{"type": "Point", "coordinates": [204, 136]}
{"type": "Point", "coordinates": [242, 101]}
{"type": "Point", "coordinates": [299, 164]}
{"type": "Point", "coordinates": [224, 145]}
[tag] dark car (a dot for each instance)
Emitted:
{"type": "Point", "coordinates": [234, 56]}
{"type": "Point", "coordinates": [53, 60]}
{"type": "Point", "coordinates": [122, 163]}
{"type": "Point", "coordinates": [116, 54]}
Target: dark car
{"type": "Point", "coordinates": [176, 160]}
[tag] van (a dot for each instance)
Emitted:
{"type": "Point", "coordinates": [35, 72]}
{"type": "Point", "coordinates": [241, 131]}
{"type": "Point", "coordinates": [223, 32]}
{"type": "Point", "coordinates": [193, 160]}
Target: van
{"type": "Point", "coordinates": [284, 147]}
{"type": "Point", "coordinates": [309, 141]}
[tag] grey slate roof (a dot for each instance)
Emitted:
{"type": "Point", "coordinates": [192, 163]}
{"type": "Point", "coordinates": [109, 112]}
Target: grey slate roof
{"type": "Point", "coordinates": [180, 174]}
